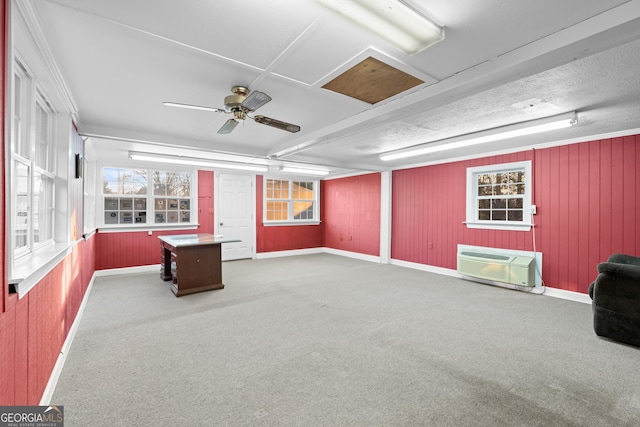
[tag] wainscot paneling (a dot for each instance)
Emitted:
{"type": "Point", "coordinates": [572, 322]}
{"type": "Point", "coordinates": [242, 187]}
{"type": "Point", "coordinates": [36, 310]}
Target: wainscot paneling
{"type": "Point", "coordinates": [351, 213]}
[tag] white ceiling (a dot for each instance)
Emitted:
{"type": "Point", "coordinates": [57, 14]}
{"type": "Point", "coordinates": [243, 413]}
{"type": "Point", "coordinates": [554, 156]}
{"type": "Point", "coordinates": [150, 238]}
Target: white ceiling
{"type": "Point", "coordinates": [122, 58]}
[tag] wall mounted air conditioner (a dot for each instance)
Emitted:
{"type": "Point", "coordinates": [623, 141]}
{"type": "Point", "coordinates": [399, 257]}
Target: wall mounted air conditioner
{"type": "Point", "coordinates": [505, 268]}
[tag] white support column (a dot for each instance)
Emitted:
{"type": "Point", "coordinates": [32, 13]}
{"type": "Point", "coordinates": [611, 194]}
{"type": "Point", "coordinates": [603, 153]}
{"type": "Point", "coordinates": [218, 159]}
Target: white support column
{"type": "Point", "coordinates": [385, 217]}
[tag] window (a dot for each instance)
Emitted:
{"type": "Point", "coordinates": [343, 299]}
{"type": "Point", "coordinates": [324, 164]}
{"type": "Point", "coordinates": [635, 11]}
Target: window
{"type": "Point", "coordinates": [33, 169]}
{"type": "Point", "coordinates": [499, 196]}
{"type": "Point", "coordinates": [128, 200]}
{"type": "Point", "coordinates": [291, 201]}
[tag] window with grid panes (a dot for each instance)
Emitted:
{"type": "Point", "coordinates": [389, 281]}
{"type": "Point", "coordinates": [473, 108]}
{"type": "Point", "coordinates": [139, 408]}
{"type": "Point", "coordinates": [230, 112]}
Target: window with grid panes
{"type": "Point", "coordinates": [290, 200]}
{"type": "Point", "coordinates": [33, 167]}
{"type": "Point", "coordinates": [128, 200]}
{"type": "Point", "coordinates": [499, 196]}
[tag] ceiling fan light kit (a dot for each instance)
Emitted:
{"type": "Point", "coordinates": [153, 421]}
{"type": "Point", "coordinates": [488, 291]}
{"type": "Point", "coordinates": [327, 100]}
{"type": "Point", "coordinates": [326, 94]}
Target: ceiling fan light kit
{"type": "Point", "coordinates": [241, 104]}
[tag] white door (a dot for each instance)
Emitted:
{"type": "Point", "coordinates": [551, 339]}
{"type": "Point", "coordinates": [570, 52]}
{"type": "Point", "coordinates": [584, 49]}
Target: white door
{"type": "Point", "coordinates": [234, 214]}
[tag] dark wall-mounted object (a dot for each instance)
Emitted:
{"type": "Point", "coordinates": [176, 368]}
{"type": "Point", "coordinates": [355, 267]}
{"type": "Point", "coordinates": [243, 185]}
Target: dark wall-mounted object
{"type": "Point", "coordinates": [79, 162]}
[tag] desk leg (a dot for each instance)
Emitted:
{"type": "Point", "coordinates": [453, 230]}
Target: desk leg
{"type": "Point", "coordinates": [165, 271]}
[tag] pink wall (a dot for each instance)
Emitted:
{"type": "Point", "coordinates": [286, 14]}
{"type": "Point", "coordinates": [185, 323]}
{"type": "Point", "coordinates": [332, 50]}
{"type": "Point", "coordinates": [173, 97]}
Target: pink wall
{"type": "Point", "coordinates": [34, 328]}
{"type": "Point", "coordinates": [588, 203]}
{"type": "Point", "coordinates": [275, 238]}
{"type": "Point", "coordinates": [351, 214]}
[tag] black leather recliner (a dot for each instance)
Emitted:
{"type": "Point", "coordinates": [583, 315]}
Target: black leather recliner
{"type": "Point", "coordinates": [616, 299]}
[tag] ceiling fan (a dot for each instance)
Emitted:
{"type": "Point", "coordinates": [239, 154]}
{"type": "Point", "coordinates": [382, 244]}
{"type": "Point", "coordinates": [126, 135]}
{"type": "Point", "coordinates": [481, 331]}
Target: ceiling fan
{"type": "Point", "coordinates": [241, 104]}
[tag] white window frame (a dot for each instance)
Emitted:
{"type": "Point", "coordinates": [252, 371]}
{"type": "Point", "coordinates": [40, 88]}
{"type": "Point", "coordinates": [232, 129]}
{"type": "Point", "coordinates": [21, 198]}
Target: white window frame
{"type": "Point", "coordinates": [31, 96]}
{"type": "Point", "coordinates": [472, 220]}
{"type": "Point", "coordinates": [150, 202]}
{"type": "Point", "coordinates": [31, 59]}
{"type": "Point", "coordinates": [290, 201]}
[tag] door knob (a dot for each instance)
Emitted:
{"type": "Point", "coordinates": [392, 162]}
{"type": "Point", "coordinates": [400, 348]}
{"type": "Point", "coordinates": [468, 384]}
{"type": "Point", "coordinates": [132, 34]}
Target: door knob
{"type": "Point", "coordinates": [221, 224]}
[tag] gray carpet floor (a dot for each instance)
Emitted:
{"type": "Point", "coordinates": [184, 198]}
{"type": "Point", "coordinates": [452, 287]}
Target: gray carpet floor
{"type": "Point", "coordinates": [324, 340]}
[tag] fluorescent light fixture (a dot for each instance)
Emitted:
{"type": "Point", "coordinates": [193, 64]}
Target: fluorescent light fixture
{"type": "Point", "coordinates": [393, 20]}
{"type": "Point", "coordinates": [290, 169]}
{"type": "Point", "coordinates": [150, 157]}
{"type": "Point", "coordinates": [496, 134]}
{"type": "Point", "coordinates": [192, 107]}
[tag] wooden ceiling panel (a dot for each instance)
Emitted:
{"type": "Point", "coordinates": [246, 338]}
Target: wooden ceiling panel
{"type": "Point", "coordinates": [372, 81]}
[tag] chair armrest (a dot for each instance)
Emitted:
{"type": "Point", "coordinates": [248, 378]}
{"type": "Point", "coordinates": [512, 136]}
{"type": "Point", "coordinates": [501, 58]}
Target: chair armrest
{"type": "Point", "coordinates": [627, 271]}
{"type": "Point", "coordinates": [624, 259]}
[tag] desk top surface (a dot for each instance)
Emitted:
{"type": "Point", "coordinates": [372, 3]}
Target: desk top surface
{"type": "Point", "coordinates": [178, 240]}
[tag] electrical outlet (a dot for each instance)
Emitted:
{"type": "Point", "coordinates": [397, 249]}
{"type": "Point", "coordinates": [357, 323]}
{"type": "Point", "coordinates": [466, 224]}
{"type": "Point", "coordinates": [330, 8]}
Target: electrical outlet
{"type": "Point", "coordinates": [534, 209]}
{"type": "Point", "coordinates": [149, 233]}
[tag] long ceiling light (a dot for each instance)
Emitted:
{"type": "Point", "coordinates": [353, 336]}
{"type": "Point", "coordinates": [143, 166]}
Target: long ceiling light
{"type": "Point", "coordinates": [393, 20]}
{"type": "Point", "coordinates": [151, 157]}
{"type": "Point", "coordinates": [496, 134]}
{"type": "Point", "coordinates": [289, 169]}
{"type": "Point", "coordinates": [193, 107]}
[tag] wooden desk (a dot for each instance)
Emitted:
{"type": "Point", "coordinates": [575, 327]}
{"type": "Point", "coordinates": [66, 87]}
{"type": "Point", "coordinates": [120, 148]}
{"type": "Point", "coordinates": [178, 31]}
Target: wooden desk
{"type": "Point", "coordinates": [192, 262]}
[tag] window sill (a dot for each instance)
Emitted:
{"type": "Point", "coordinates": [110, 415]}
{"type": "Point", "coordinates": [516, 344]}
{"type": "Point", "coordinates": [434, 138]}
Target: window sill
{"type": "Point", "coordinates": [29, 270]}
{"type": "Point", "coordinates": [287, 223]}
{"type": "Point", "coordinates": [108, 229]}
{"type": "Point", "coordinates": [489, 226]}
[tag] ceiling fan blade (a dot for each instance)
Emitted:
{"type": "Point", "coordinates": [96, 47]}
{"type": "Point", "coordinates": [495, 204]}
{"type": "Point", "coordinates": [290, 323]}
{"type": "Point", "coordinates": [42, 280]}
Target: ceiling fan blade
{"type": "Point", "coordinates": [277, 124]}
{"type": "Point", "coordinates": [228, 126]}
{"type": "Point", "coordinates": [193, 107]}
{"type": "Point", "coordinates": [255, 100]}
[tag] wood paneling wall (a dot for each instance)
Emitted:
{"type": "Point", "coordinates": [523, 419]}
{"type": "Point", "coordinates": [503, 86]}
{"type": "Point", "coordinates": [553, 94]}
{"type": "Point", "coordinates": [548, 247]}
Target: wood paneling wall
{"type": "Point", "coordinates": [205, 201]}
{"type": "Point", "coordinates": [351, 213]}
{"type": "Point", "coordinates": [588, 205]}
{"type": "Point", "coordinates": [34, 328]}
{"type": "Point", "coordinates": [284, 238]}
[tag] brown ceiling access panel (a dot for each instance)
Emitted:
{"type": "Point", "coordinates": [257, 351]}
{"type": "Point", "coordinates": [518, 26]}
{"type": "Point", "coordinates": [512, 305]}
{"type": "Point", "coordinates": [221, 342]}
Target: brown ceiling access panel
{"type": "Point", "coordinates": [372, 81]}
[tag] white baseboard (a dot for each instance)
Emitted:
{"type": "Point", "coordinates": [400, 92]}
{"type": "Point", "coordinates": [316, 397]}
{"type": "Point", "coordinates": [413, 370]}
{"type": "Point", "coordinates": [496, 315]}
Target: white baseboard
{"type": "Point", "coordinates": [294, 252]}
{"type": "Point", "coordinates": [45, 400]}
{"type": "Point", "coordinates": [356, 255]}
{"type": "Point", "coordinates": [129, 270]}
{"type": "Point", "coordinates": [278, 254]}
{"type": "Point", "coordinates": [568, 295]}
{"type": "Point", "coordinates": [542, 290]}
{"type": "Point", "coordinates": [425, 267]}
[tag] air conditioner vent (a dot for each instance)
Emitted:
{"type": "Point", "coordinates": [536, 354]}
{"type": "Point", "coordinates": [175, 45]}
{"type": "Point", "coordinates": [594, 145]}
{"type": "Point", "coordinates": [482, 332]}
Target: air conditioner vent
{"type": "Point", "coordinates": [514, 270]}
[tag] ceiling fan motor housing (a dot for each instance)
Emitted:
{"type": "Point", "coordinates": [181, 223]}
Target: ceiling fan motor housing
{"type": "Point", "coordinates": [233, 102]}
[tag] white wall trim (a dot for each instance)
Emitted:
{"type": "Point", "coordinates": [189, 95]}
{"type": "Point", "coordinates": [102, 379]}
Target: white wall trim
{"type": "Point", "coordinates": [547, 291]}
{"type": "Point", "coordinates": [32, 21]}
{"type": "Point", "coordinates": [153, 268]}
{"type": "Point", "coordinates": [320, 250]}
{"type": "Point", "coordinates": [524, 148]}
{"type": "Point", "coordinates": [385, 216]}
{"type": "Point", "coordinates": [348, 254]}
{"type": "Point", "coordinates": [568, 295]}
{"type": "Point", "coordinates": [425, 267]}
{"type": "Point", "coordinates": [66, 346]}
{"type": "Point", "coordinates": [294, 252]}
